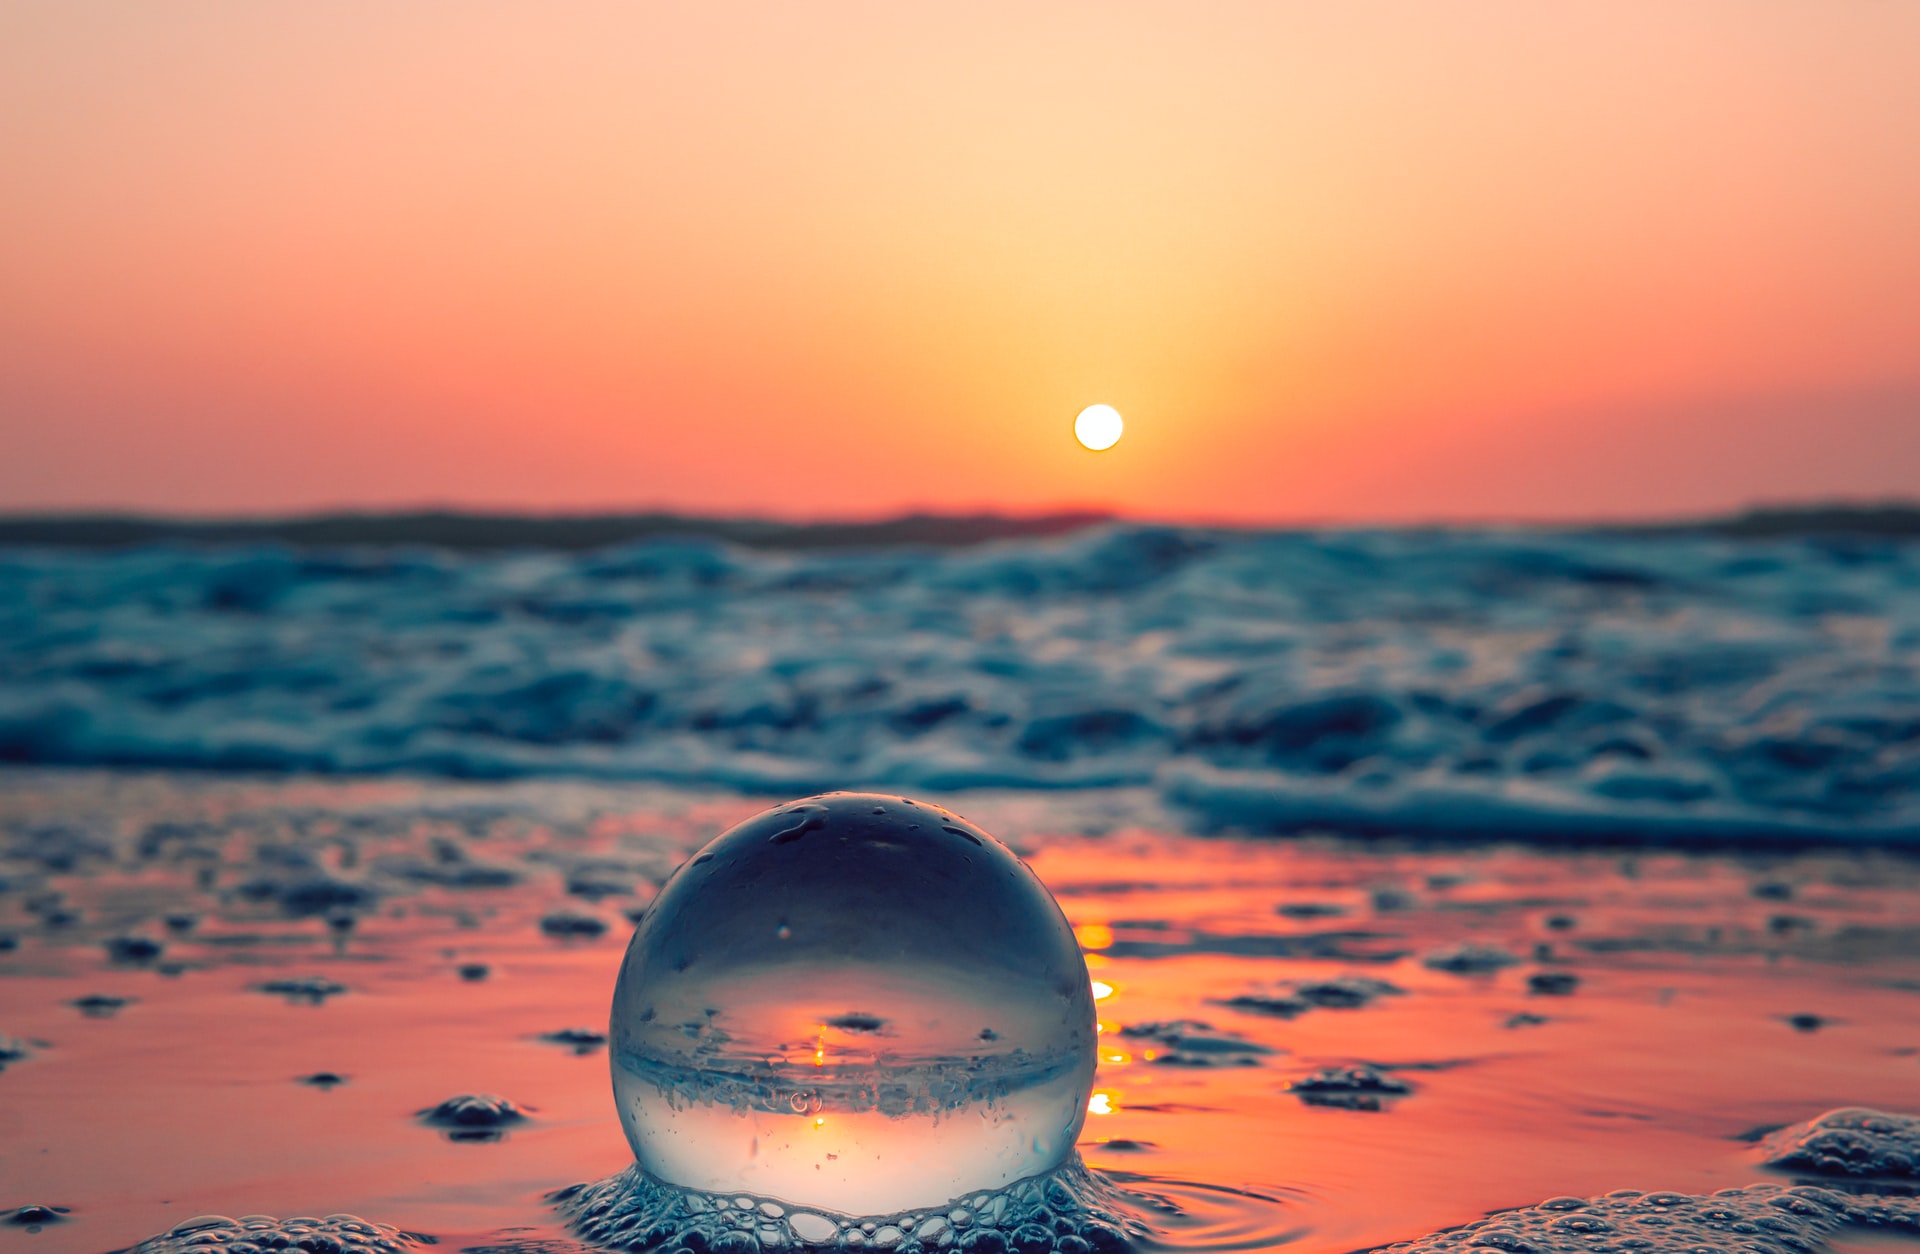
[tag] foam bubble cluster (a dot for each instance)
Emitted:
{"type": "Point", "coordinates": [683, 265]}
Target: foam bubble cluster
{"type": "Point", "coordinates": [1858, 1152]}
{"type": "Point", "coordinates": [1857, 1143]}
{"type": "Point", "coordinates": [253, 1234]}
{"type": "Point", "coordinates": [1071, 1211]}
{"type": "Point", "coordinates": [1759, 1219]}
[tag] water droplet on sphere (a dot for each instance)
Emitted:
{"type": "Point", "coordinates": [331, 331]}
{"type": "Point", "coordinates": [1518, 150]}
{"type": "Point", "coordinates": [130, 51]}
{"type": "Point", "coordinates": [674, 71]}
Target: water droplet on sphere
{"type": "Point", "coordinates": [800, 1014]}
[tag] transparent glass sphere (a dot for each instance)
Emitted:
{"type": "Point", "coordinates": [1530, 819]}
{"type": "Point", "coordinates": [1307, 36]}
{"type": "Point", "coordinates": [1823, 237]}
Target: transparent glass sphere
{"type": "Point", "coordinates": [857, 1003]}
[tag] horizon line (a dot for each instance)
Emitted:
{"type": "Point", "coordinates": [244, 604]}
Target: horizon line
{"type": "Point", "coordinates": [475, 528]}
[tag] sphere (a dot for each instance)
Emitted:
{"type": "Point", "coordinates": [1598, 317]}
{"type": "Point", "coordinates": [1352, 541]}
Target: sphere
{"type": "Point", "coordinates": [856, 1003]}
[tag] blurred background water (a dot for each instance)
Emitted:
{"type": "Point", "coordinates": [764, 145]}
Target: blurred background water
{"type": "Point", "coordinates": [1547, 685]}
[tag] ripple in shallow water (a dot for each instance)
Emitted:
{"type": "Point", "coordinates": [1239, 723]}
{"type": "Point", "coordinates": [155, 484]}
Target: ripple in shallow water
{"type": "Point", "coordinates": [1077, 1211]}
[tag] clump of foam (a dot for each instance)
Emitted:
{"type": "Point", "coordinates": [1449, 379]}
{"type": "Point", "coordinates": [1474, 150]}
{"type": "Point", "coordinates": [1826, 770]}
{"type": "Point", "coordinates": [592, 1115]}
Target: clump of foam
{"type": "Point", "coordinates": [100, 1005]}
{"type": "Point", "coordinates": [579, 1040]}
{"type": "Point", "coordinates": [1857, 1143]}
{"type": "Point", "coordinates": [311, 990]}
{"type": "Point", "coordinates": [572, 925]}
{"type": "Point", "coordinates": [1471, 959]}
{"type": "Point", "coordinates": [1758, 1219]}
{"type": "Point", "coordinates": [1349, 1088]}
{"type": "Point", "coordinates": [1345, 992]}
{"type": "Point", "coordinates": [34, 1217]}
{"type": "Point", "coordinates": [474, 1116]}
{"type": "Point", "coordinates": [12, 1049]}
{"type": "Point", "coordinates": [133, 950]}
{"type": "Point", "coordinates": [335, 1234]}
{"type": "Point", "coordinates": [1194, 1043]}
{"type": "Point", "coordinates": [1069, 1211]}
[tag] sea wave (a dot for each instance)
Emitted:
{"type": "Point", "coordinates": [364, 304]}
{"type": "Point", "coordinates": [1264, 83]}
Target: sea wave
{"type": "Point", "coordinates": [1448, 683]}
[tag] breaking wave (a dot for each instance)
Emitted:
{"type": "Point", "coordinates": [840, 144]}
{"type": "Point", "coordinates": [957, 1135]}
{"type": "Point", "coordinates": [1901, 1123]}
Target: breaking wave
{"type": "Point", "coordinates": [1507, 683]}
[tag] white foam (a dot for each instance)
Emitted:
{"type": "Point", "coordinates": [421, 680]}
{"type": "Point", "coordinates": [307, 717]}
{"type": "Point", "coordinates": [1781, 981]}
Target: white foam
{"type": "Point", "coordinates": [1507, 683]}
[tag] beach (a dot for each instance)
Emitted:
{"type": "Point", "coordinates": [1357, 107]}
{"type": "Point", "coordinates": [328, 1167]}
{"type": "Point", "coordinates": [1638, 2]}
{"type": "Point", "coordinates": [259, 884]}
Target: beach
{"type": "Point", "coordinates": [1420, 875]}
{"type": "Point", "coordinates": [1092, 628]}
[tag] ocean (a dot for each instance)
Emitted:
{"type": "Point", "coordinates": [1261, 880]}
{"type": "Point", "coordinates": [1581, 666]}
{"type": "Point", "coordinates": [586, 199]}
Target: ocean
{"type": "Point", "coordinates": [1547, 893]}
{"type": "Point", "coordinates": [1545, 686]}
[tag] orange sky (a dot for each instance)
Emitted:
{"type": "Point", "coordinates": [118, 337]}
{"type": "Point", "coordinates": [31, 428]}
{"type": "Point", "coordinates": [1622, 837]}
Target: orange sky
{"type": "Point", "coordinates": [1332, 260]}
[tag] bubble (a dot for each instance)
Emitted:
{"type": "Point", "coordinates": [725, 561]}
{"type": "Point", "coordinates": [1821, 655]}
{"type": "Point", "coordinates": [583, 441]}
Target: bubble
{"type": "Point", "coordinates": [1193, 1043]}
{"type": "Point", "coordinates": [217, 1234]}
{"type": "Point", "coordinates": [857, 1004]}
{"type": "Point", "coordinates": [12, 1049]}
{"type": "Point", "coordinates": [579, 1040]}
{"type": "Point", "coordinates": [1078, 1211]}
{"type": "Point", "coordinates": [1350, 1088]}
{"type": "Point", "coordinates": [133, 949]}
{"type": "Point", "coordinates": [34, 1217]}
{"type": "Point", "coordinates": [566, 925]}
{"type": "Point", "coordinates": [1760, 1217]}
{"type": "Point", "coordinates": [1471, 959]}
{"type": "Point", "coordinates": [474, 1116]}
{"type": "Point", "coordinates": [1849, 1142]}
{"type": "Point", "coordinates": [309, 989]}
{"type": "Point", "coordinates": [100, 1005]}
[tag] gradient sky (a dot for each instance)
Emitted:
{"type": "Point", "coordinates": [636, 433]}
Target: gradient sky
{"type": "Point", "coordinates": [1346, 261]}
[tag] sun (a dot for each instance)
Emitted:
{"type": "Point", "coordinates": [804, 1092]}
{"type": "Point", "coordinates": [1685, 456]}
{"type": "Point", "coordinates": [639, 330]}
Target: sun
{"type": "Point", "coordinates": [1098, 427]}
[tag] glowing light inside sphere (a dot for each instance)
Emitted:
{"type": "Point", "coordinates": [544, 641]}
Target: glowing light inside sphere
{"type": "Point", "coordinates": [857, 1003]}
{"type": "Point", "coordinates": [1098, 427]}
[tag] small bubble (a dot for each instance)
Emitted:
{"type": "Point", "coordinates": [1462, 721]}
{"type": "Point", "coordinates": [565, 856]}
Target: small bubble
{"type": "Point", "coordinates": [1553, 983]}
{"type": "Point", "coordinates": [579, 1040]}
{"type": "Point", "coordinates": [813, 1229]}
{"type": "Point", "coordinates": [34, 1217]}
{"type": "Point", "coordinates": [100, 1005]}
{"type": "Point", "coordinates": [309, 989]}
{"type": "Point", "coordinates": [566, 926]}
{"type": "Point", "coordinates": [474, 1116]}
{"type": "Point", "coordinates": [133, 949]}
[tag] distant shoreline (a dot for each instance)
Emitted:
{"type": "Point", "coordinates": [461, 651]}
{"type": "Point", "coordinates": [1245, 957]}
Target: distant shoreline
{"type": "Point", "coordinates": [494, 532]}
{"type": "Point", "coordinates": [491, 532]}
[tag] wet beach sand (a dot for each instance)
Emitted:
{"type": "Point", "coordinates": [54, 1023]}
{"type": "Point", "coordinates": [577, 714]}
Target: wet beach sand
{"type": "Point", "coordinates": [234, 995]}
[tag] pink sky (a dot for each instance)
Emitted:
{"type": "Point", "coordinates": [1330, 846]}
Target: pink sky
{"type": "Point", "coordinates": [1380, 261]}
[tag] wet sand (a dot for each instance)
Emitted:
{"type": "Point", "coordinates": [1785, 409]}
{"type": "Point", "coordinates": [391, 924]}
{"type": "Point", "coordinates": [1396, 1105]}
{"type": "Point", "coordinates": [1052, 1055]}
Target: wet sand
{"type": "Point", "coordinates": [1378, 1039]}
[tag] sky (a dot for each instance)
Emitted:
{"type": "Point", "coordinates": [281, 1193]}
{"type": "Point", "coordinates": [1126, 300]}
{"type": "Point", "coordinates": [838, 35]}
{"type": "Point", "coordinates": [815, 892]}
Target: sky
{"type": "Point", "coordinates": [1350, 262]}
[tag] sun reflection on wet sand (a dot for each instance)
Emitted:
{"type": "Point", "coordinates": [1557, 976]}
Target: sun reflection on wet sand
{"type": "Point", "coordinates": [1236, 970]}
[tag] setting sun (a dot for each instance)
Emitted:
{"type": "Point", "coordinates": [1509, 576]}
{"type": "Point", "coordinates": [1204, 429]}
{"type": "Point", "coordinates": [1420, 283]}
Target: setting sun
{"type": "Point", "coordinates": [1098, 427]}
